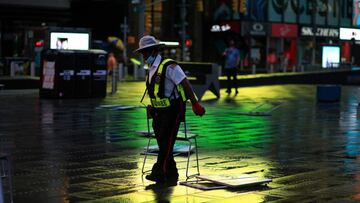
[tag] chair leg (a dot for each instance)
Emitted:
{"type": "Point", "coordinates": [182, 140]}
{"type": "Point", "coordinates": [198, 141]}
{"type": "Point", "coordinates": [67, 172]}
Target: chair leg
{"type": "Point", "coordinates": [148, 145]}
{"type": "Point", "coordinates": [188, 161]}
{"type": "Point", "coordinates": [197, 157]}
{"type": "Point", "coordinates": [146, 153]}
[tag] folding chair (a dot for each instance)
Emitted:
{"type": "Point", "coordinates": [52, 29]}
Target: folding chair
{"type": "Point", "coordinates": [182, 136]}
{"type": "Point", "coordinates": [5, 172]}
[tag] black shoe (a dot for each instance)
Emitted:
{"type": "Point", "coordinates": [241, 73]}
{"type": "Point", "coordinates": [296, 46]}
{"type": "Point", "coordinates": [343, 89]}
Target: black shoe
{"type": "Point", "coordinates": [171, 182]}
{"type": "Point", "coordinates": [150, 177]}
{"type": "Point", "coordinates": [155, 178]}
{"type": "Point", "coordinates": [160, 186]}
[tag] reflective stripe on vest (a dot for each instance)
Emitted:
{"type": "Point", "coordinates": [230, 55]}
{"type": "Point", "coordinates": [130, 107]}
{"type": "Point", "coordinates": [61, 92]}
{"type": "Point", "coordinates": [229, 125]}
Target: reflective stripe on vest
{"type": "Point", "coordinates": [158, 102]}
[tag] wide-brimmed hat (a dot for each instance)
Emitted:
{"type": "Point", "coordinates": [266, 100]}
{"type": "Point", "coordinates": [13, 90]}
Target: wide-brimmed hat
{"type": "Point", "coordinates": [148, 42]}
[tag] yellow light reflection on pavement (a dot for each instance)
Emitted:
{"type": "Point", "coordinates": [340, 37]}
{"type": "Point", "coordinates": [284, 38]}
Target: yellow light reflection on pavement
{"type": "Point", "coordinates": [228, 143]}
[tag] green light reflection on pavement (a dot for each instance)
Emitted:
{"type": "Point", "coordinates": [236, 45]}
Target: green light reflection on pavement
{"type": "Point", "coordinates": [228, 142]}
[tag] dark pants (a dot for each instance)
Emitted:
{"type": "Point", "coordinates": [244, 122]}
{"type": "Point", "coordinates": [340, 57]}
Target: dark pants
{"type": "Point", "coordinates": [231, 72]}
{"type": "Point", "coordinates": [166, 122]}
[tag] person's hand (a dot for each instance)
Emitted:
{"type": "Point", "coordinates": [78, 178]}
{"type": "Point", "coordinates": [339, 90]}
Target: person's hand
{"type": "Point", "coordinates": [198, 109]}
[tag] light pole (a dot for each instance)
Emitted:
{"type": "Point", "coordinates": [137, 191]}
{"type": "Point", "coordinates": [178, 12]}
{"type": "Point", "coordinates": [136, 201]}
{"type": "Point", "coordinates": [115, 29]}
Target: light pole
{"type": "Point", "coordinates": [314, 11]}
{"type": "Point", "coordinates": [183, 28]}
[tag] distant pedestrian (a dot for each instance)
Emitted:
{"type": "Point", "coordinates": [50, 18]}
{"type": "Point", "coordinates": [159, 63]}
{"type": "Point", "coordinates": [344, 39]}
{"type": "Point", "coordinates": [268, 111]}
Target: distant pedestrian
{"type": "Point", "coordinates": [111, 63]}
{"type": "Point", "coordinates": [271, 60]}
{"type": "Point", "coordinates": [232, 61]}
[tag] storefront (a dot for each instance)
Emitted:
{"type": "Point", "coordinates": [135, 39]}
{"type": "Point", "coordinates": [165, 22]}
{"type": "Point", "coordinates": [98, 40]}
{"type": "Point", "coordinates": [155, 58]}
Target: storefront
{"type": "Point", "coordinates": [311, 42]}
{"type": "Point", "coordinates": [221, 33]}
{"type": "Point", "coordinates": [255, 35]}
{"type": "Point", "coordinates": [282, 43]}
{"type": "Point", "coordinates": [350, 46]}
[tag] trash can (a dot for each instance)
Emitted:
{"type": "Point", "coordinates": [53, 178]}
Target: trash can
{"type": "Point", "coordinates": [65, 63]}
{"type": "Point", "coordinates": [328, 93]}
{"type": "Point", "coordinates": [57, 74]}
{"type": "Point", "coordinates": [99, 73]}
{"type": "Point", "coordinates": [82, 74]}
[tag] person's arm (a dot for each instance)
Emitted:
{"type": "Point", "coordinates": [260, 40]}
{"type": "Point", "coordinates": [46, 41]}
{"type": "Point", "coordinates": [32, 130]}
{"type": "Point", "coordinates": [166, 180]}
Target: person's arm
{"type": "Point", "coordinates": [196, 107]}
{"type": "Point", "coordinates": [188, 90]}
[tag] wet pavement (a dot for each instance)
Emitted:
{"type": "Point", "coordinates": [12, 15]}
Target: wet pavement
{"type": "Point", "coordinates": [72, 151]}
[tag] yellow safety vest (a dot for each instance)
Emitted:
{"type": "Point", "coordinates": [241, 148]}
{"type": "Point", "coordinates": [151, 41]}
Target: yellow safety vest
{"type": "Point", "coordinates": [158, 102]}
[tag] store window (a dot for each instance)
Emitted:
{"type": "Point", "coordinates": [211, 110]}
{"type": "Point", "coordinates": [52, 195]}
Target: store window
{"type": "Point", "coordinates": [153, 15]}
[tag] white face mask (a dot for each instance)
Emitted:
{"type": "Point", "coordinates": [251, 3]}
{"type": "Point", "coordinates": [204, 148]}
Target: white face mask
{"type": "Point", "coordinates": [150, 59]}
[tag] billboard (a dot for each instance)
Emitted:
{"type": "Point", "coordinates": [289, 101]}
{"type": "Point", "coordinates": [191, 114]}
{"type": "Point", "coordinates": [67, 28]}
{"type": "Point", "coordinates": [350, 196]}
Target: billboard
{"type": "Point", "coordinates": [330, 56]}
{"type": "Point", "coordinates": [69, 40]}
{"type": "Point", "coordinates": [349, 34]}
{"type": "Point", "coordinates": [356, 13]}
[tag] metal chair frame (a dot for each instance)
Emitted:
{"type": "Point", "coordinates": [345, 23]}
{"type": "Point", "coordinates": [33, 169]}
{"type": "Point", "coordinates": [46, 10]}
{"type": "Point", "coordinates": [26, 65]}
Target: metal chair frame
{"type": "Point", "coordinates": [191, 139]}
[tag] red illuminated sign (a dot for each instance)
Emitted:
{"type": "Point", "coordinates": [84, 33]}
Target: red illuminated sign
{"type": "Point", "coordinates": [284, 30]}
{"type": "Point", "coordinates": [39, 43]}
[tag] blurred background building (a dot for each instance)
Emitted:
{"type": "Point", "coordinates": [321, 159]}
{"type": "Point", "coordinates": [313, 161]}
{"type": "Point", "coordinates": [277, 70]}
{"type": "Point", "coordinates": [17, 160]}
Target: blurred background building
{"type": "Point", "coordinates": [294, 30]}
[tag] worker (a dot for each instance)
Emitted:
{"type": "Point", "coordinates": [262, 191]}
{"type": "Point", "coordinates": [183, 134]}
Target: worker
{"type": "Point", "coordinates": [168, 89]}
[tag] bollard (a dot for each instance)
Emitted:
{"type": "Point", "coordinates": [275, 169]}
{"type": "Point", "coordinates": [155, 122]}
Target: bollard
{"type": "Point", "coordinates": [141, 73]}
{"type": "Point", "coordinates": [328, 93]}
{"type": "Point", "coordinates": [121, 68]}
{"type": "Point", "coordinates": [32, 69]}
{"type": "Point", "coordinates": [1, 192]}
{"type": "Point", "coordinates": [135, 72]}
{"type": "Point", "coordinates": [253, 69]}
{"type": "Point", "coordinates": [271, 68]}
{"type": "Point", "coordinates": [113, 82]}
{"type": "Point", "coordinates": [125, 71]}
{"type": "Point", "coordinates": [12, 69]}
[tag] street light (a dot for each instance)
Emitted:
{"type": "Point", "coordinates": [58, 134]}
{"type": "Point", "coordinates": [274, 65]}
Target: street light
{"type": "Point", "coordinates": [314, 11]}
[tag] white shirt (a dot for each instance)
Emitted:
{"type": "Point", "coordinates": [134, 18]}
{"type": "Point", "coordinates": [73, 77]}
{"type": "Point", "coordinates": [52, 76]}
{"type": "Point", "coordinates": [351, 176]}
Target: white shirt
{"type": "Point", "coordinates": [174, 75]}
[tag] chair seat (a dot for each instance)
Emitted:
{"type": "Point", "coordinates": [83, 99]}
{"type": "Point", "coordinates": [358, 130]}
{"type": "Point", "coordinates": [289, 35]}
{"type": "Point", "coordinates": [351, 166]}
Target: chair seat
{"type": "Point", "coordinates": [181, 135]}
{"type": "Point", "coordinates": [179, 149]}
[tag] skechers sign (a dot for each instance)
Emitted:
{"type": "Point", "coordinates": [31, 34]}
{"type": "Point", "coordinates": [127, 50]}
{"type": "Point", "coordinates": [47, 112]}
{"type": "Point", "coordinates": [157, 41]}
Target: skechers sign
{"type": "Point", "coordinates": [320, 32]}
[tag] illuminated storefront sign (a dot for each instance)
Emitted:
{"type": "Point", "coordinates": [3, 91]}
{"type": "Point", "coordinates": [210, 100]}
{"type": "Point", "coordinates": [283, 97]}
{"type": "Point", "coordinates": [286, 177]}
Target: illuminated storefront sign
{"type": "Point", "coordinates": [220, 28]}
{"type": "Point", "coordinates": [320, 32]}
{"type": "Point", "coordinates": [349, 33]}
{"type": "Point", "coordinates": [284, 30]}
{"type": "Point", "coordinates": [226, 26]}
{"type": "Point", "coordinates": [255, 29]}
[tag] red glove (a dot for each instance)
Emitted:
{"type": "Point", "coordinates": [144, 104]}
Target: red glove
{"type": "Point", "coordinates": [198, 109]}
